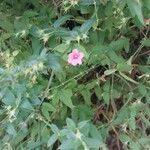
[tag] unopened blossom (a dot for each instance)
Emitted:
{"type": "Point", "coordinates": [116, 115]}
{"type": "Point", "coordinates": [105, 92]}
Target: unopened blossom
{"type": "Point", "coordinates": [75, 57]}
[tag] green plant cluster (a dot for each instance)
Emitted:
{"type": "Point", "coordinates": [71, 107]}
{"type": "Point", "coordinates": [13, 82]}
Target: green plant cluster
{"type": "Point", "coordinates": [45, 103]}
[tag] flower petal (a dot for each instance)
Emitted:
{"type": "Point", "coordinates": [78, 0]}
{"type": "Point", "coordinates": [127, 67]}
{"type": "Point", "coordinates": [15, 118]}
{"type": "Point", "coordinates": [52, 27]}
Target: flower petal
{"type": "Point", "coordinates": [75, 51]}
{"type": "Point", "coordinates": [81, 55]}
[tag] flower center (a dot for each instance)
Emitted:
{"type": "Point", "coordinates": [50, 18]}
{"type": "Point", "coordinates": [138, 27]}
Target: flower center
{"type": "Point", "coordinates": [75, 56]}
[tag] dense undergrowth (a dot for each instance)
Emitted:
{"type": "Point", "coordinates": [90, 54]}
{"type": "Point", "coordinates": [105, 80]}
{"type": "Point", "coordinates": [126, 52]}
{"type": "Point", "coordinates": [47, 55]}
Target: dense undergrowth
{"type": "Point", "coordinates": [46, 103]}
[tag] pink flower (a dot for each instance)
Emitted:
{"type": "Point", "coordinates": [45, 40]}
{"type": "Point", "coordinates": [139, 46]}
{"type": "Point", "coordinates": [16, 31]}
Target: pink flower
{"type": "Point", "coordinates": [75, 57]}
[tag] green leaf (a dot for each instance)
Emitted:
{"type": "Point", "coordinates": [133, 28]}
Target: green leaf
{"type": "Point", "coordinates": [36, 45]}
{"type": "Point", "coordinates": [21, 27]}
{"type": "Point", "coordinates": [95, 133]}
{"type": "Point", "coordinates": [135, 7]}
{"type": "Point", "coordinates": [134, 146]}
{"type": "Point", "coordinates": [109, 9]}
{"type": "Point", "coordinates": [106, 86]}
{"type": "Point", "coordinates": [11, 130]}
{"type": "Point", "coordinates": [70, 124]}
{"type": "Point", "coordinates": [53, 61]}
{"type": "Point", "coordinates": [30, 13]}
{"type": "Point", "coordinates": [110, 71]}
{"type": "Point", "coordinates": [68, 145]}
{"type": "Point", "coordinates": [86, 2]}
{"type": "Point", "coordinates": [87, 96]}
{"type": "Point", "coordinates": [124, 138]}
{"type": "Point", "coordinates": [62, 48]}
{"type": "Point", "coordinates": [65, 97]}
{"type": "Point", "coordinates": [93, 143]}
{"type": "Point", "coordinates": [52, 140]}
{"type": "Point", "coordinates": [34, 129]}
{"type": "Point", "coordinates": [9, 98]}
{"type": "Point", "coordinates": [123, 67]}
{"type": "Point", "coordinates": [98, 92]}
{"type": "Point", "coordinates": [132, 121]}
{"type": "Point", "coordinates": [63, 113]}
{"type": "Point", "coordinates": [86, 26]}
{"type": "Point", "coordinates": [82, 124]}
{"type": "Point", "coordinates": [61, 20]}
{"type": "Point", "coordinates": [26, 104]}
{"type": "Point", "coordinates": [147, 3]}
{"type": "Point", "coordinates": [106, 97]}
{"type": "Point", "coordinates": [146, 42]}
{"type": "Point", "coordinates": [46, 108]}
{"type": "Point", "coordinates": [119, 44]}
{"type": "Point", "coordinates": [122, 116]}
{"type": "Point", "coordinates": [5, 23]}
{"type": "Point", "coordinates": [20, 136]}
{"type": "Point", "coordinates": [142, 89]}
{"type": "Point", "coordinates": [55, 129]}
{"type": "Point", "coordinates": [114, 57]}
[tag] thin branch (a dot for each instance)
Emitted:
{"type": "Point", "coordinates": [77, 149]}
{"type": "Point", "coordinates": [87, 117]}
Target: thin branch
{"type": "Point", "coordinates": [48, 86]}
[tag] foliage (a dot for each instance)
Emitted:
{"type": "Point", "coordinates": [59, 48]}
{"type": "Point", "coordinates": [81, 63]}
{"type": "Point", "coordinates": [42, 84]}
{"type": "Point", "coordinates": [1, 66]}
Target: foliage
{"type": "Point", "coordinates": [45, 103]}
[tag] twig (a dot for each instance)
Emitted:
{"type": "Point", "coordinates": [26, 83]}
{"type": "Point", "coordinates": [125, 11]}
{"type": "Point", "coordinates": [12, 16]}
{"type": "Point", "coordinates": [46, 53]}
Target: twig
{"type": "Point", "coordinates": [112, 99]}
{"type": "Point", "coordinates": [76, 76]}
{"type": "Point", "coordinates": [48, 86]}
{"type": "Point", "coordinates": [141, 46]}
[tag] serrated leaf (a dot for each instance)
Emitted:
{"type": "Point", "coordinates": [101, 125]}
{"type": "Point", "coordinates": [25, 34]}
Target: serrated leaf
{"type": "Point", "coordinates": [119, 44]}
{"type": "Point", "coordinates": [114, 57]}
{"type": "Point", "coordinates": [65, 97]}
